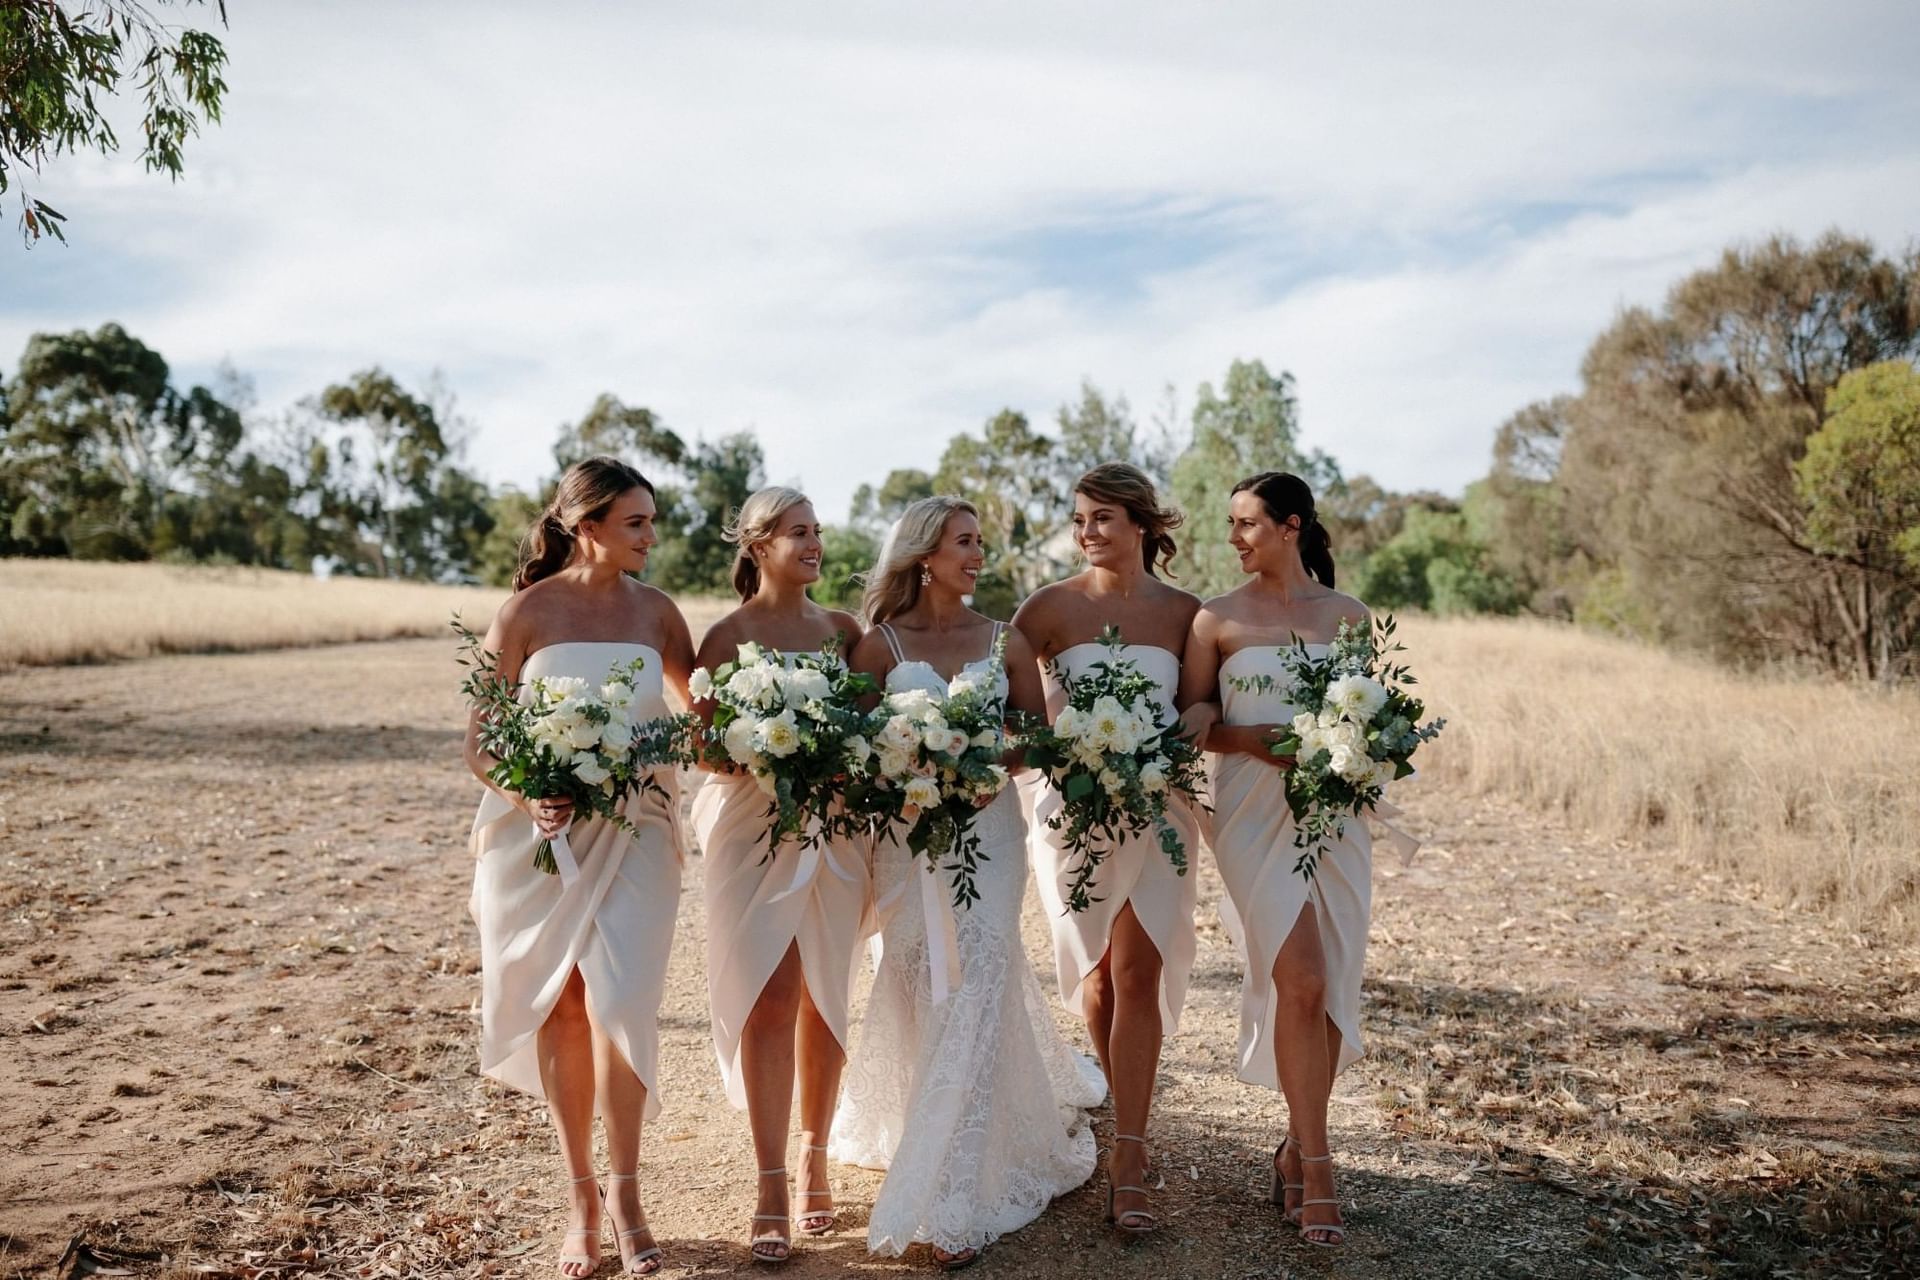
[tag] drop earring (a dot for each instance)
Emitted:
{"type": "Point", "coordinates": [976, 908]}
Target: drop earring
{"type": "Point", "coordinates": [926, 575]}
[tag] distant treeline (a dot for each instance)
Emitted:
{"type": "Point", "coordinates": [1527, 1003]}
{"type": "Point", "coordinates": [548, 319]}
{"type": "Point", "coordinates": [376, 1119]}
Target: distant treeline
{"type": "Point", "coordinates": [1739, 472]}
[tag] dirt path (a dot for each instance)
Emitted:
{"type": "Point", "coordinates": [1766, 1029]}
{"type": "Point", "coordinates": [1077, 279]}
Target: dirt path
{"type": "Point", "coordinates": [237, 1013]}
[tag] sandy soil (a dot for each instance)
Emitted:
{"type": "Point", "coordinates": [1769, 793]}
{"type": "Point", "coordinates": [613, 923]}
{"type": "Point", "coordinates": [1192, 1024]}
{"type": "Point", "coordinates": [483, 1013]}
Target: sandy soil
{"type": "Point", "coordinates": [237, 1014]}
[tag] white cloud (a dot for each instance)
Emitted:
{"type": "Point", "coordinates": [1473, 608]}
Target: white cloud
{"type": "Point", "coordinates": [825, 222]}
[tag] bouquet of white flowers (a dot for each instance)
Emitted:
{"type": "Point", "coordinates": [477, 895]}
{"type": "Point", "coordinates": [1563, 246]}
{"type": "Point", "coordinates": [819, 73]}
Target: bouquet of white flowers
{"type": "Point", "coordinates": [1114, 764]}
{"type": "Point", "coordinates": [568, 740]}
{"type": "Point", "coordinates": [936, 761]}
{"type": "Point", "coordinates": [797, 728]}
{"type": "Point", "coordinates": [1355, 731]}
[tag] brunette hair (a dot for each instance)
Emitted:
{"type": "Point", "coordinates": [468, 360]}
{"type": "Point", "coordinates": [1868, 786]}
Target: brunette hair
{"type": "Point", "coordinates": [1285, 496]}
{"type": "Point", "coordinates": [893, 584]}
{"type": "Point", "coordinates": [1127, 487]}
{"type": "Point", "coordinates": [585, 492]}
{"type": "Point", "coordinates": [755, 522]}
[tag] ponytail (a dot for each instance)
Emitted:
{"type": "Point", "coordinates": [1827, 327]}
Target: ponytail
{"type": "Point", "coordinates": [587, 490]}
{"type": "Point", "coordinates": [1316, 550]}
{"type": "Point", "coordinates": [1285, 496]}
{"type": "Point", "coordinates": [544, 552]}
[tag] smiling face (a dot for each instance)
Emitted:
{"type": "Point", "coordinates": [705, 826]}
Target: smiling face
{"type": "Point", "coordinates": [791, 553]}
{"type": "Point", "coordinates": [1105, 533]}
{"type": "Point", "coordinates": [1261, 543]}
{"type": "Point", "coordinates": [622, 536]}
{"type": "Point", "coordinates": [956, 563]}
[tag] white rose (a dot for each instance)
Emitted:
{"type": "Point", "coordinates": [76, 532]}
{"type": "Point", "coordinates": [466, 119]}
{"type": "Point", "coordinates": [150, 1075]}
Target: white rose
{"type": "Point", "coordinates": [964, 683]}
{"type": "Point", "coordinates": [858, 749]}
{"type": "Point", "coordinates": [744, 685]}
{"type": "Point", "coordinates": [807, 685]}
{"type": "Point", "coordinates": [616, 736]}
{"type": "Point", "coordinates": [913, 703]}
{"type": "Point", "coordinates": [740, 745]}
{"type": "Point", "coordinates": [1153, 778]}
{"type": "Point", "coordinates": [988, 737]}
{"type": "Point", "coordinates": [1112, 782]}
{"type": "Point", "coordinates": [560, 688]}
{"type": "Point", "coordinates": [891, 763]}
{"type": "Point", "coordinates": [1383, 771]}
{"type": "Point", "coordinates": [700, 683]}
{"type": "Point", "coordinates": [899, 735]}
{"type": "Point", "coordinates": [935, 735]}
{"type": "Point", "coordinates": [587, 768]}
{"type": "Point", "coordinates": [582, 735]}
{"type": "Point", "coordinates": [1305, 725]}
{"type": "Point", "coordinates": [750, 653]}
{"type": "Point", "coordinates": [923, 793]}
{"type": "Point", "coordinates": [957, 742]}
{"type": "Point", "coordinates": [617, 693]}
{"type": "Point", "coordinates": [779, 735]}
{"type": "Point", "coordinates": [1069, 723]}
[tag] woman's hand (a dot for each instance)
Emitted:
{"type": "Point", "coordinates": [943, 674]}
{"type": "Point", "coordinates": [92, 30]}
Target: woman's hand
{"type": "Point", "coordinates": [550, 817]}
{"type": "Point", "coordinates": [1196, 722]}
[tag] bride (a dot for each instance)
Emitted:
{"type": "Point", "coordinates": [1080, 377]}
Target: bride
{"type": "Point", "coordinates": [941, 1091]}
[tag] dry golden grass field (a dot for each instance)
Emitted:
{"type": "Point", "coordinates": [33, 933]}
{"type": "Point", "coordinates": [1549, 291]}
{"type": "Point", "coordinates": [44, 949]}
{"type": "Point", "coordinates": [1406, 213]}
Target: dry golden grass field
{"type": "Point", "coordinates": [1626, 1016]}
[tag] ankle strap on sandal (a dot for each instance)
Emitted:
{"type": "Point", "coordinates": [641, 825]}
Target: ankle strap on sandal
{"type": "Point", "coordinates": [1128, 1137]}
{"type": "Point", "coordinates": [585, 1177]}
{"type": "Point", "coordinates": [624, 1177]}
{"type": "Point", "coordinates": [768, 1173]}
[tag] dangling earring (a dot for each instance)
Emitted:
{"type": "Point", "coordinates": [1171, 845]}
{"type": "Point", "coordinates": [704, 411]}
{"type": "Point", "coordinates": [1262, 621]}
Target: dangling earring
{"type": "Point", "coordinates": [926, 575]}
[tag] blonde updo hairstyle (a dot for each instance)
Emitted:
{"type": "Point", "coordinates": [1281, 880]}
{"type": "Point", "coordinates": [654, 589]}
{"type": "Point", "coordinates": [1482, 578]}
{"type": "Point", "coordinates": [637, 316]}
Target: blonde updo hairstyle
{"type": "Point", "coordinates": [1127, 487]}
{"type": "Point", "coordinates": [757, 520]}
{"type": "Point", "coordinates": [893, 585]}
{"type": "Point", "coordinates": [587, 490]}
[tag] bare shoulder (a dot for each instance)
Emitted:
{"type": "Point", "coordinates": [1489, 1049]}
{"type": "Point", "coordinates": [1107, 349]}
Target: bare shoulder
{"type": "Point", "coordinates": [1038, 609]}
{"type": "Point", "coordinates": [1228, 606]}
{"type": "Point", "coordinates": [847, 625]}
{"type": "Point", "coordinates": [1348, 608]}
{"type": "Point", "coordinates": [721, 640]}
{"type": "Point", "coordinates": [1019, 648]}
{"type": "Point", "coordinates": [870, 652]}
{"type": "Point", "coordinates": [1172, 597]}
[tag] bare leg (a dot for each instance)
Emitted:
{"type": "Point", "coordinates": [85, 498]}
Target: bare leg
{"type": "Point", "coordinates": [564, 1050]}
{"type": "Point", "coordinates": [1096, 992]}
{"type": "Point", "coordinates": [1133, 1055]}
{"type": "Point", "coordinates": [821, 1060]}
{"type": "Point", "coordinates": [766, 1067]}
{"type": "Point", "coordinates": [623, 1104]}
{"type": "Point", "coordinates": [1304, 1062]}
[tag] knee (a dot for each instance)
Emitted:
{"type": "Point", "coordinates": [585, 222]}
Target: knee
{"type": "Point", "coordinates": [569, 1012]}
{"type": "Point", "coordinates": [1301, 991]}
{"type": "Point", "coordinates": [1096, 989]}
{"type": "Point", "coordinates": [1136, 979]}
{"type": "Point", "coordinates": [779, 1000]}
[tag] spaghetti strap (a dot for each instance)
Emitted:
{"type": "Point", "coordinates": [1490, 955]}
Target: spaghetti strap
{"type": "Point", "coordinates": [893, 643]}
{"type": "Point", "coordinates": [993, 641]}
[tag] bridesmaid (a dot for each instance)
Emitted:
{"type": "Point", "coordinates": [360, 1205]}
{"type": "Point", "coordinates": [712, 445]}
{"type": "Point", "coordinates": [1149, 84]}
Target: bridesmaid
{"type": "Point", "coordinates": [1305, 939]}
{"type": "Point", "coordinates": [1124, 963]}
{"type": "Point", "coordinates": [573, 972]}
{"type": "Point", "coordinates": [781, 930]}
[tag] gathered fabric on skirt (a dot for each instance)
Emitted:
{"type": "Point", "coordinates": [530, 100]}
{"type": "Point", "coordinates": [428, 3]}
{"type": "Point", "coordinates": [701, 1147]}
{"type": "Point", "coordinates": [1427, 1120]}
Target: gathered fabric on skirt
{"type": "Point", "coordinates": [1252, 836]}
{"type": "Point", "coordinates": [1135, 869]}
{"type": "Point", "coordinates": [960, 1086]}
{"type": "Point", "coordinates": [614, 923]}
{"type": "Point", "coordinates": [758, 906]}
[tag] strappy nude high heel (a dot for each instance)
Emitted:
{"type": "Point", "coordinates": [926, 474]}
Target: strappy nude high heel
{"type": "Point", "coordinates": [589, 1262]}
{"type": "Point", "coordinates": [817, 1222]}
{"type": "Point", "coordinates": [772, 1239]}
{"type": "Point", "coordinates": [1336, 1229]}
{"type": "Point", "coordinates": [1136, 1222]}
{"type": "Point", "coordinates": [1281, 1186]}
{"type": "Point", "coordinates": [637, 1264]}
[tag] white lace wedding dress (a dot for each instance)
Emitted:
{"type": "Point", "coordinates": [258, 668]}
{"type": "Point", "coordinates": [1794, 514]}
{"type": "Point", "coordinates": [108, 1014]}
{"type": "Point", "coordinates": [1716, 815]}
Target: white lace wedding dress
{"type": "Point", "coordinates": [960, 1087]}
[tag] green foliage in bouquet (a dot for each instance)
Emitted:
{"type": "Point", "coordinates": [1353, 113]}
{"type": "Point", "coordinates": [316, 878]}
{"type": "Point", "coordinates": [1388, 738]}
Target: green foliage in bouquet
{"type": "Point", "coordinates": [796, 726]}
{"type": "Point", "coordinates": [1115, 765]}
{"type": "Point", "coordinates": [568, 740]}
{"type": "Point", "coordinates": [1355, 730]}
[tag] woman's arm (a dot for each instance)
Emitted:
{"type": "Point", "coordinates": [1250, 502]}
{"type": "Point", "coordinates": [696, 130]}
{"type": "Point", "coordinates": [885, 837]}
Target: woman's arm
{"type": "Point", "coordinates": [507, 639]}
{"type": "Point", "coordinates": [1199, 698]}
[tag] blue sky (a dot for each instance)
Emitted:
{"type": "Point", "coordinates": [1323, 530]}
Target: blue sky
{"type": "Point", "coordinates": [858, 228]}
